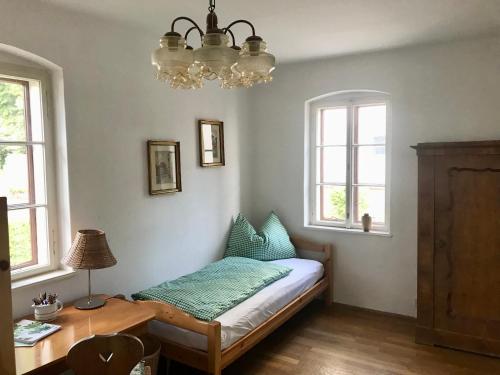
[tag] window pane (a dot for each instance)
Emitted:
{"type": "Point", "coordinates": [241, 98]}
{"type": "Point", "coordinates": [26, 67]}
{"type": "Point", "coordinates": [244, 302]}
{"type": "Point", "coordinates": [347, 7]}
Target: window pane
{"type": "Point", "coordinates": [39, 173]}
{"type": "Point", "coordinates": [333, 127]}
{"type": "Point", "coordinates": [369, 200]}
{"type": "Point", "coordinates": [332, 203]}
{"type": "Point", "coordinates": [14, 182]}
{"type": "Point", "coordinates": [370, 165]}
{"type": "Point", "coordinates": [20, 236]}
{"type": "Point", "coordinates": [371, 125]}
{"type": "Point", "coordinates": [12, 121]}
{"type": "Point", "coordinates": [15, 174]}
{"type": "Point", "coordinates": [42, 236]}
{"type": "Point", "coordinates": [36, 111]}
{"type": "Point", "coordinates": [332, 164]}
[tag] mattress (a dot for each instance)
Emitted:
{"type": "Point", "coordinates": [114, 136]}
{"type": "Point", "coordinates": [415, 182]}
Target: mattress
{"type": "Point", "coordinates": [249, 314]}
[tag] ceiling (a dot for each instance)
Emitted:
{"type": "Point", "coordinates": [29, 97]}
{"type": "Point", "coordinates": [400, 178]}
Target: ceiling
{"type": "Point", "coordinates": [298, 30]}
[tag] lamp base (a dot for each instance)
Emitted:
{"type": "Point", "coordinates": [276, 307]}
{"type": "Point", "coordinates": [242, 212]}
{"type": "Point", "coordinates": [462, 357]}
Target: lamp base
{"type": "Point", "coordinates": [89, 304]}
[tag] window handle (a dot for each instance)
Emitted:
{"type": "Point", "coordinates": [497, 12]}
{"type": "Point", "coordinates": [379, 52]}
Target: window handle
{"type": "Point", "coordinates": [4, 265]}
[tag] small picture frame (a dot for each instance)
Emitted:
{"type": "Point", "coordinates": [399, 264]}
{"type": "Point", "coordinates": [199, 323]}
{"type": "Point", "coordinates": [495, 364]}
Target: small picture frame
{"type": "Point", "coordinates": [211, 137]}
{"type": "Point", "coordinates": [164, 167]}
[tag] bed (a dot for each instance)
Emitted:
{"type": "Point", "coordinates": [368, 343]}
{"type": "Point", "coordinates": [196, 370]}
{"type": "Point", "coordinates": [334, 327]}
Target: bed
{"type": "Point", "coordinates": [212, 346]}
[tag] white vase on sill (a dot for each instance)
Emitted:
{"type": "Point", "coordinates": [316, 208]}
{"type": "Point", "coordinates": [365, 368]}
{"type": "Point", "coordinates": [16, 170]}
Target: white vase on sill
{"type": "Point", "coordinates": [367, 222]}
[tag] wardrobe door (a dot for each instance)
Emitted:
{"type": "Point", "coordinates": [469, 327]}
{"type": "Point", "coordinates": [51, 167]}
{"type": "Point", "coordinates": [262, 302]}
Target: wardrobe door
{"type": "Point", "coordinates": [7, 363]}
{"type": "Point", "coordinates": [467, 252]}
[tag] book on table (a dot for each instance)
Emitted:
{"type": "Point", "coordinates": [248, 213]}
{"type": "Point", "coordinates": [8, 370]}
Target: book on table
{"type": "Point", "coordinates": [29, 332]}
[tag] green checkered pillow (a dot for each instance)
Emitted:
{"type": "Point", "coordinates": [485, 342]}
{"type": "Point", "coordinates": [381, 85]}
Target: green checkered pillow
{"type": "Point", "coordinates": [270, 243]}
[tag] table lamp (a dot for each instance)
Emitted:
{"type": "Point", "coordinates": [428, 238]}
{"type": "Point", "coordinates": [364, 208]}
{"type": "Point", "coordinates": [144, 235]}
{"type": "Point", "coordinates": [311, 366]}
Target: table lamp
{"type": "Point", "coordinates": [89, 251]}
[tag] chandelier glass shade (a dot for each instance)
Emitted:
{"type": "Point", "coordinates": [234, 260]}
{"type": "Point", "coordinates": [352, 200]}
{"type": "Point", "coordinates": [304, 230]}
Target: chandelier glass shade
{"type": "Point", "coordinates": [184, 68]}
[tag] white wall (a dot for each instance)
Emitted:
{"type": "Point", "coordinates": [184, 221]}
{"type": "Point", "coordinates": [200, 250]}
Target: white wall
{"type": "Point", "coordinates": [113, 105]}
{"type": "Point", "coordinates": [445, 92]}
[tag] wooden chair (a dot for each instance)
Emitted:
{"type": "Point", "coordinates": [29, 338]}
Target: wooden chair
{"type": "Point", "coordinates": [115, 354]}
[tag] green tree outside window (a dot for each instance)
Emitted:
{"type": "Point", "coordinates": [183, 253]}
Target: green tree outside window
{"type": "Point", "coordinates": [12, 128]}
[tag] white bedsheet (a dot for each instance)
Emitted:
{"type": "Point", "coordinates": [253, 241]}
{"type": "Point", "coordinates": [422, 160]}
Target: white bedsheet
{"type": "Point", "coordinates": [249, 314]}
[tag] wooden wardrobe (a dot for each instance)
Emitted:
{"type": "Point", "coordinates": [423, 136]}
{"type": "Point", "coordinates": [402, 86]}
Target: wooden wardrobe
{"type": "Point", "coordinates": [459, 245]}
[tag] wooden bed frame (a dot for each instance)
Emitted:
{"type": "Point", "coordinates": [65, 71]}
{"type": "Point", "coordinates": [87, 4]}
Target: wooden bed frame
{"type": "Point", "coordinates": [214, 359]}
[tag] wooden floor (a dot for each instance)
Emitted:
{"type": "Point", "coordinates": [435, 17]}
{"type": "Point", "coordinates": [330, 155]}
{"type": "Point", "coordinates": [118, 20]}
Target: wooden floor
{"type": "Point", "coordinates": [341, 340]}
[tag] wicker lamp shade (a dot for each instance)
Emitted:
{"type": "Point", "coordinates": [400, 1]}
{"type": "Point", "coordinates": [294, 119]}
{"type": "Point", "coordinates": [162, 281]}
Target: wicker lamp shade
{"type": "Point", "coordinates": [89, 250]}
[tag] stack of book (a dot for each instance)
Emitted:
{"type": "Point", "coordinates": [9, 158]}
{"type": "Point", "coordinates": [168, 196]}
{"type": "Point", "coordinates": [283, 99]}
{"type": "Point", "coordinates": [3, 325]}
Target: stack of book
{"type": "Point", "coordinates": [29, 332]}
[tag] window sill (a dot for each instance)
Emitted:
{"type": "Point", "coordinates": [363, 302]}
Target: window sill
{"type": "Point", "coordinates": [43, 278]}
{"type": "Point", "coordinates": [349, 231]}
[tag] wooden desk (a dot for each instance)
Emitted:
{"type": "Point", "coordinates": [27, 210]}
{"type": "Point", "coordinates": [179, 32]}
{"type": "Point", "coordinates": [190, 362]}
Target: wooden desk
{"type": "Point", "coordinates": [48, 355]}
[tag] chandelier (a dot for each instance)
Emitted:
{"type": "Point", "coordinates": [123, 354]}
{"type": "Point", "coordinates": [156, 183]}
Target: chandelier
{"type": "Point", "coordinates": [183, 67]}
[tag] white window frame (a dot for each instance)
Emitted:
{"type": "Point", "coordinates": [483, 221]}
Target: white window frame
{"type": "Point", "coordinates": [313, 120]}
{"type": "Point", "coordinates": [42, 77]}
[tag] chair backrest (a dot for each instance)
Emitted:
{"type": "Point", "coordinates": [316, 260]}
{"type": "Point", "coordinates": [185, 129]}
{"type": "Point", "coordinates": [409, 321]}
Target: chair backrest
{"type": "Point", "coordinates": [115, 354]}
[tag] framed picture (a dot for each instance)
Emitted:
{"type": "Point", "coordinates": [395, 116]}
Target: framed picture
{"type": "Point", "coordinates": [211, 135]}
{"type": "Point", "coordinates": [164, 167]}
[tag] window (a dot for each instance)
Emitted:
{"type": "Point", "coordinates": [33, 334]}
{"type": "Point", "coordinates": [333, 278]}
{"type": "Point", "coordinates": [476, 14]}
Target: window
{"type": "Point", "coordinates": [349, 162]}
{"type": "Point", "coordinates": [24, 173]}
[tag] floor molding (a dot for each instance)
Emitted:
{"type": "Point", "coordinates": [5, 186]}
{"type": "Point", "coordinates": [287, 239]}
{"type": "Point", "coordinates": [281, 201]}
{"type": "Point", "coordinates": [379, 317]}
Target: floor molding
{"type": "Point", "coordinates": [338, 305]}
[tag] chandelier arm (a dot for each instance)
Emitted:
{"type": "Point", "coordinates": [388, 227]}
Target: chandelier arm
{"type": "Point", "coordinates": [240, 21]}
{"type": "Point", "coordinates": [186, 19]}
{"type": "Point", "coordinates": [191, 29]}
{"type": "Point", "coordinates": [232, 36]}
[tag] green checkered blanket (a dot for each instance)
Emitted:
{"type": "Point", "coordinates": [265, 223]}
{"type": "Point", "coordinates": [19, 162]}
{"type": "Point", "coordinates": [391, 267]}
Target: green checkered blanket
{"type": "Point", "coordinates": [217, 288]}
